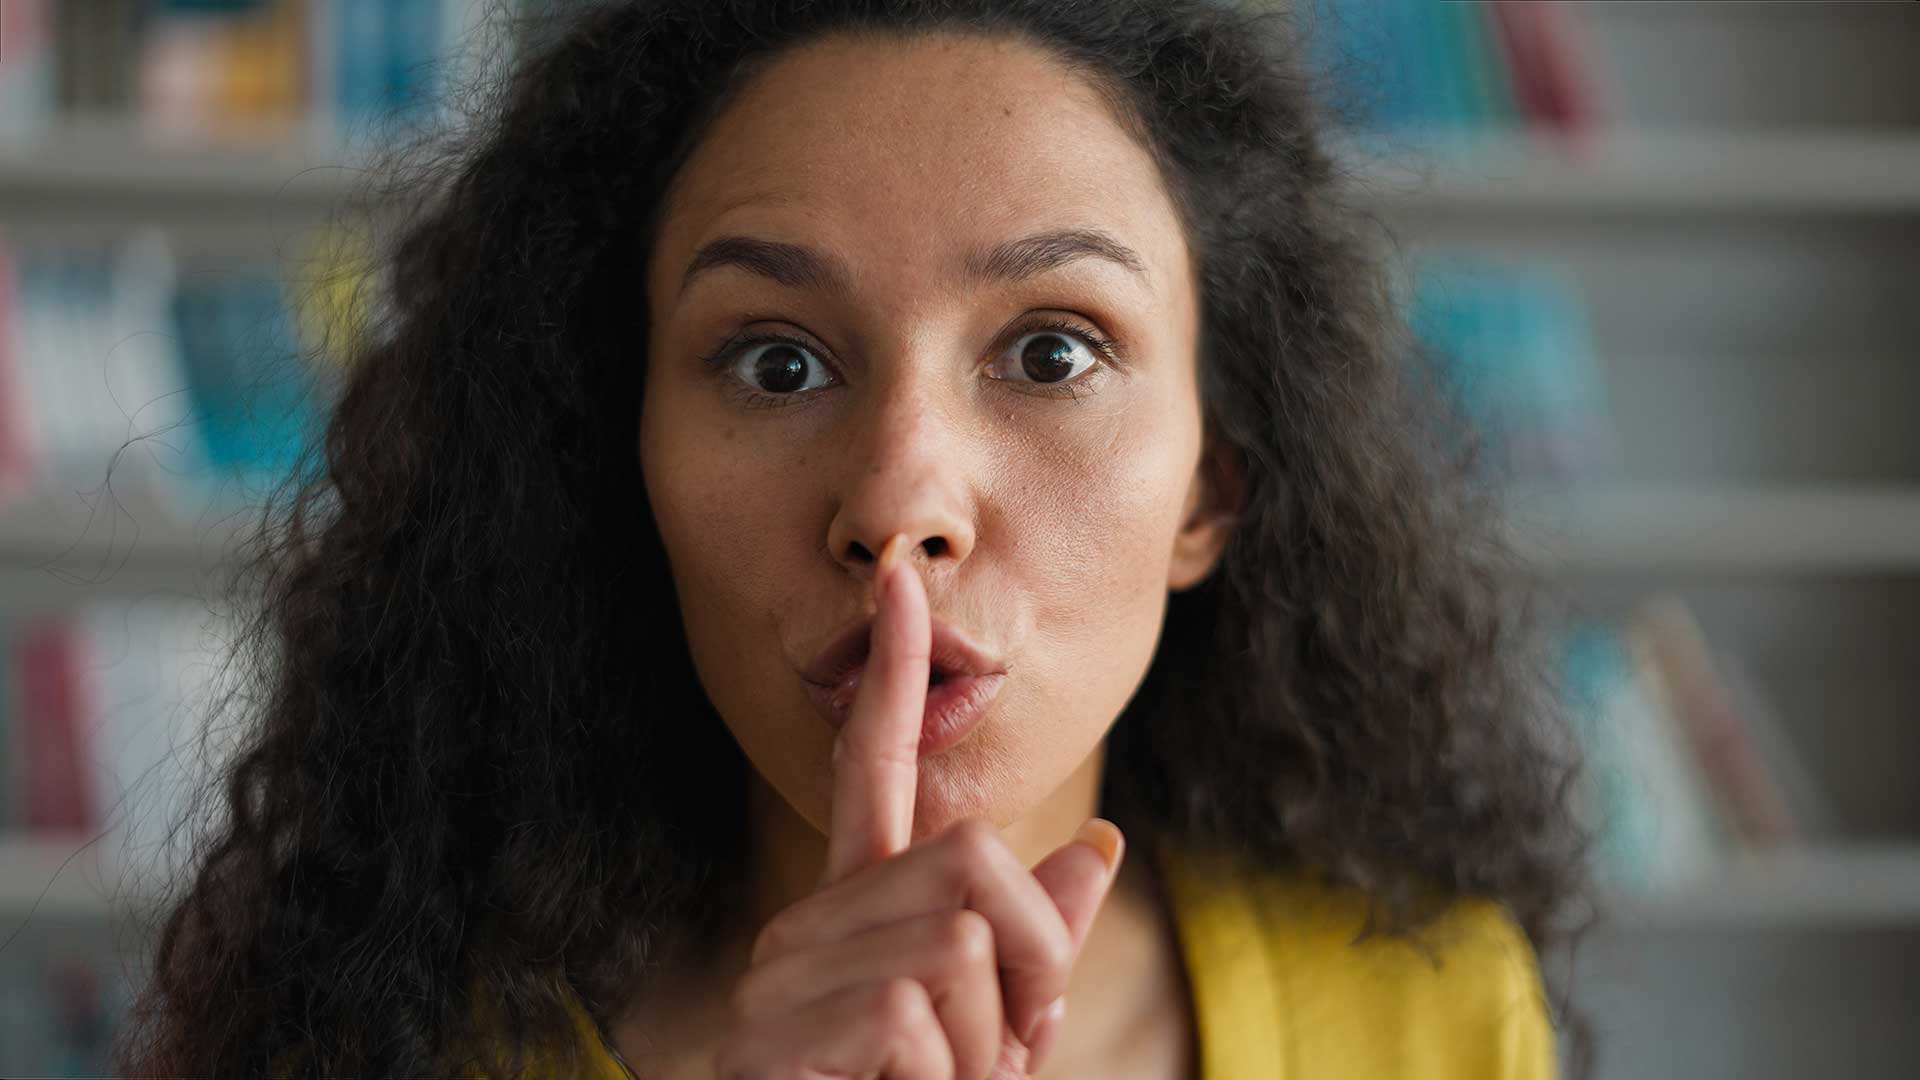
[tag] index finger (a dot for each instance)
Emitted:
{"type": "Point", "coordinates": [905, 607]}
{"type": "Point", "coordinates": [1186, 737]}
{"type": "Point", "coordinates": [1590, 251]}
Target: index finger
{"type": "Point", "coordinates": [876, 756]}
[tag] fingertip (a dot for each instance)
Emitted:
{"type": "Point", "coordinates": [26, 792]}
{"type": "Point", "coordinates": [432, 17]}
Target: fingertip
{"type": "Point", "coordinates": [889, 557]}
{"type": "Point", "coordinates": [1105, 838]}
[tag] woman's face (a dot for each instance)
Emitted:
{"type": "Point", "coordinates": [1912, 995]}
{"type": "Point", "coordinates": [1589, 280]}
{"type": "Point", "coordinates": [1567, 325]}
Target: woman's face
{"type": "Point", "coordinates": [1051, 497]}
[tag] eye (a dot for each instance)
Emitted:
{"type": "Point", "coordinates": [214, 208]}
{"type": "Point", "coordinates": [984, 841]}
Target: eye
{"type": "Point", "coordinates": [1055, 356]}
{"type": "Point", "coordinates": [1046, 354]}
{"type": "Point", "coordinates": [771, 368]}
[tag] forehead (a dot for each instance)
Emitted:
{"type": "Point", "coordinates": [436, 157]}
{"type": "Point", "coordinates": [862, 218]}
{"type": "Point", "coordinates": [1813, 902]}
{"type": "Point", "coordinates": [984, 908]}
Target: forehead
{"type": "Point", "coordinates": [903, 156]}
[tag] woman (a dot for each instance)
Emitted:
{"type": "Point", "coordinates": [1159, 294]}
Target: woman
{"type": "Point", "coordinates": [1014, 356]}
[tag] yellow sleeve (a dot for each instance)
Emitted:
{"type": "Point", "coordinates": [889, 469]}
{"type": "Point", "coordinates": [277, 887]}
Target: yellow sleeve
{"type": "Point", "coordinates": [1472, 1006]}
{"type": "Point", "coordinates": [1512, 1006]}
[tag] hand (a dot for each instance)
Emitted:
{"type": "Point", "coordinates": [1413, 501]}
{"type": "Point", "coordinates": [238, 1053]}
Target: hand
{"type": "Point", "coordinates": [921, 962]}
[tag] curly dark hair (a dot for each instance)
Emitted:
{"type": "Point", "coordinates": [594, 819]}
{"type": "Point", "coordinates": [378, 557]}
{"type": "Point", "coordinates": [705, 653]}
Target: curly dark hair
{"type": "Point", "coordinates": [455, 786]}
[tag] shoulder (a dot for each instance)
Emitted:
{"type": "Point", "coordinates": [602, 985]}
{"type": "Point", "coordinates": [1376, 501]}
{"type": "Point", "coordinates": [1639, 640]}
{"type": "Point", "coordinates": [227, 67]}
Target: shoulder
{"type": "Point", "coordinates": [1462, 998]}
{"type": "Point", "coordinates": [592, 1056]}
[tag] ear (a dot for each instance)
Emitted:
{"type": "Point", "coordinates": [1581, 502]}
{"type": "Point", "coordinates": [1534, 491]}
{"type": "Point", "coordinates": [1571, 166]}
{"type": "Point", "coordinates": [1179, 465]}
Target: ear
{"type": "Point", "coordinates": [1214, 502]}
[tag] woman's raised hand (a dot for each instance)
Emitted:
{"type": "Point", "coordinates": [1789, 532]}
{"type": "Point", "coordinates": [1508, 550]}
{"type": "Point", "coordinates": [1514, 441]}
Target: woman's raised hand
{"type": "Point", "coordinates": [945, 960]}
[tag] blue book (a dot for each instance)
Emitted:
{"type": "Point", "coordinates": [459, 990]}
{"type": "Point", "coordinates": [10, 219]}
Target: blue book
{"type": "Point", "coordinates": [412, 57]}
{"type": "Point", "coordinates": [359, 57]}
{"type": "Point", "coordinates": [1515, 350]}
{"type": "Point", "coordinates": [254, 398]}
{"type": "Point", "coordinates": [1490, 86]}
{"type": "Point", "coordinates": [1348, 51]}
{"type": "Point", "coordinates": [1443, 92]}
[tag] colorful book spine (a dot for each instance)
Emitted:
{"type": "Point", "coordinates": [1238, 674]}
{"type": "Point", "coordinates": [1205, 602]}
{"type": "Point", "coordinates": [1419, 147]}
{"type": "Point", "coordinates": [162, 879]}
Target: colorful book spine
{"type": "Point", "coordinates": [1684, 760]}
{"type": "Point", "coordinates": [55, 727]}
{"type": "Point", "coordinates": [26, 67]}
{"type": "Point", "coordinates": [1717, 733]}
{"type": "Point", "coordinates": [19, 429]}
{"type": "Point", "coordinates": [1515, 350]}
{"type": "Point", "coordinates": [1412, 67]}
{"type": "Point", "coordinates": [1653, 822]}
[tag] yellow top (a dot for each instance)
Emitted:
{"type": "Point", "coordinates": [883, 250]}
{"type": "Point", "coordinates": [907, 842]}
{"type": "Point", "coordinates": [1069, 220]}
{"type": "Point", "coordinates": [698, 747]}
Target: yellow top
{"type": "Point", "coordinates": [1280, 992]}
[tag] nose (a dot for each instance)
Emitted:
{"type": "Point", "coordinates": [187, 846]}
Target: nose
{"type": "Point", "coordinates": [908, 475]}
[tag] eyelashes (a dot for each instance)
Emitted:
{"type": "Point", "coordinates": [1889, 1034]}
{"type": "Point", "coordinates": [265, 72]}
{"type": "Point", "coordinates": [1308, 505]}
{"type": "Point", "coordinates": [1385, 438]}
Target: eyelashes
{"type": "Point", "coordinates": [1106, 353]}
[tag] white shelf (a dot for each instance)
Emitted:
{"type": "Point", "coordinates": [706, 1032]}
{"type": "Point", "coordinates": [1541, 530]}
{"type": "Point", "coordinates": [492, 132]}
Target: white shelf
{"type": "Point", "coordinates": [54, 546]}
{"type": "Point", "coordinates": [76, 877]}
{"type": "Point", "coordinates": [85, 164]}
{"type": "Point", "coordinates": [58, 877]}
{"type": "Point", "coordinates": [104, 158]}
{"type": "Point", "coordinates": [1644, 172]}
{"type": "Point", "coordinates": [59, 548]}
{"type": "Point", "coordinates": [45, 526]}
{"type": "Point", "coordinates": [93, 173]}
{"type": "Point", "coordinates": [1840, 886]}
{"type": "Point", "coordinates": [1767, 530]}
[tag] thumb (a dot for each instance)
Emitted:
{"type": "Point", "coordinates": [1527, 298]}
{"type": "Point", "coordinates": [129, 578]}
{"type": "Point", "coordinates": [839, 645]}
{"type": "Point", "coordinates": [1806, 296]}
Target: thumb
{"type": "Point", "coordinates": [1078, 878]}
{"type": "Point", "coordinates": [1079, 874]}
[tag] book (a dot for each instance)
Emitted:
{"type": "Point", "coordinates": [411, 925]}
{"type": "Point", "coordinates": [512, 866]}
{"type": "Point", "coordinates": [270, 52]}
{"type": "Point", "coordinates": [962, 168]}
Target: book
{"type": "Point", "coordinates": [1654, 826]}
{"type": "Point", "coordinates": [1408, 68]}
{"type": "Point", "coordinates": [55, 726]}
{"type": "Point", "coordinates": [1513, 346]}
{"type": "Point", "coordinates": [27, 90]}
{"type": "Point", "coordinates": [1715, 729]}
{"type": "Point", "coordinates": [256, 402]}
{"type": "Point", "coordinates": [1547, 49]}
{"type": "Point", "coordinates": [19, 429]}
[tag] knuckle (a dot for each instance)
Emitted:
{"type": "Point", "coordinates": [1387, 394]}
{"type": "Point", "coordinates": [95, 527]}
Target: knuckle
{"type": "Point", "coordinates": [901, 1003]}
{"type": "Point", "coordinates": [773, 937]}
{"type": "Point", "coordinates": [972, 842]}
{"type": "Point", "coordinates": [744, 999]}
{"type": "Point", "coordinates": [967, 936]}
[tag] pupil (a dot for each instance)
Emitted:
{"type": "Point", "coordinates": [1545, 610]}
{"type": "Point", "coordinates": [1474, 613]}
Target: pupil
{"type": "Point", "coordinates": [1047, 362]}
{"type": "Point", "coordinates": [785, 372]}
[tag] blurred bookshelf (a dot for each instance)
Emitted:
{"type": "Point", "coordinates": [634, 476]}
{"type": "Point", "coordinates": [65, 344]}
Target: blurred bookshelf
{"type": "Point", "coordinates": [1696, 238]}
{"type": "Point", "coordinates": [92, 162]}
{"type": "Point", "coordinates": [1720, 530]}
{"type": "Point", "coordinates": [59, 874]}
{"type": "Point", "coordinates": [1719, 174]}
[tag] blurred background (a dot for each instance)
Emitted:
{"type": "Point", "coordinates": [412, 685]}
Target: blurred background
{"type": "Point", "coordinates": [1665, 254]}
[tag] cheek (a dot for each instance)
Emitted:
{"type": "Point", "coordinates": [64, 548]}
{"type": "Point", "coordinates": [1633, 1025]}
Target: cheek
{"type": "Point", "coordinates": [713, 511]}
{"type": "Point", "coordinates": [1093, 563]}
{"type": "Point", "coordinates": [1100, 515]}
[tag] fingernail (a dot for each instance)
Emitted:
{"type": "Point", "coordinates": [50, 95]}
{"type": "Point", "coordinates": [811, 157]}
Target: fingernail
{"type": "Point", "coordinates": [1045, 1032]}
{"type": "Point", "coordinates": [1104, 837]}
{"type": "Point", "coordinates": [884, 568]}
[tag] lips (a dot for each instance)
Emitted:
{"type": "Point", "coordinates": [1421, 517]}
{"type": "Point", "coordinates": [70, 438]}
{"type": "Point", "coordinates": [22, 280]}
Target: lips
{"type": "Point", "coordinates": [953, 655]}
{"type": "Point", "coordinates": [962, 681]}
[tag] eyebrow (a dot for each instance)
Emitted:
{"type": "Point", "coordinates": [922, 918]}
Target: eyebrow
{"type": "Point", "coordinates": [801, 267]}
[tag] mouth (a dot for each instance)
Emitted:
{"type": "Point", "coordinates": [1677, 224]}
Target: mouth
{"type": "Point", "coordinates": [956, 703]}
{"type": "Point", "coordinates": [952, 655]}
{"type": "Point", "coordinates": [962, 680]}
